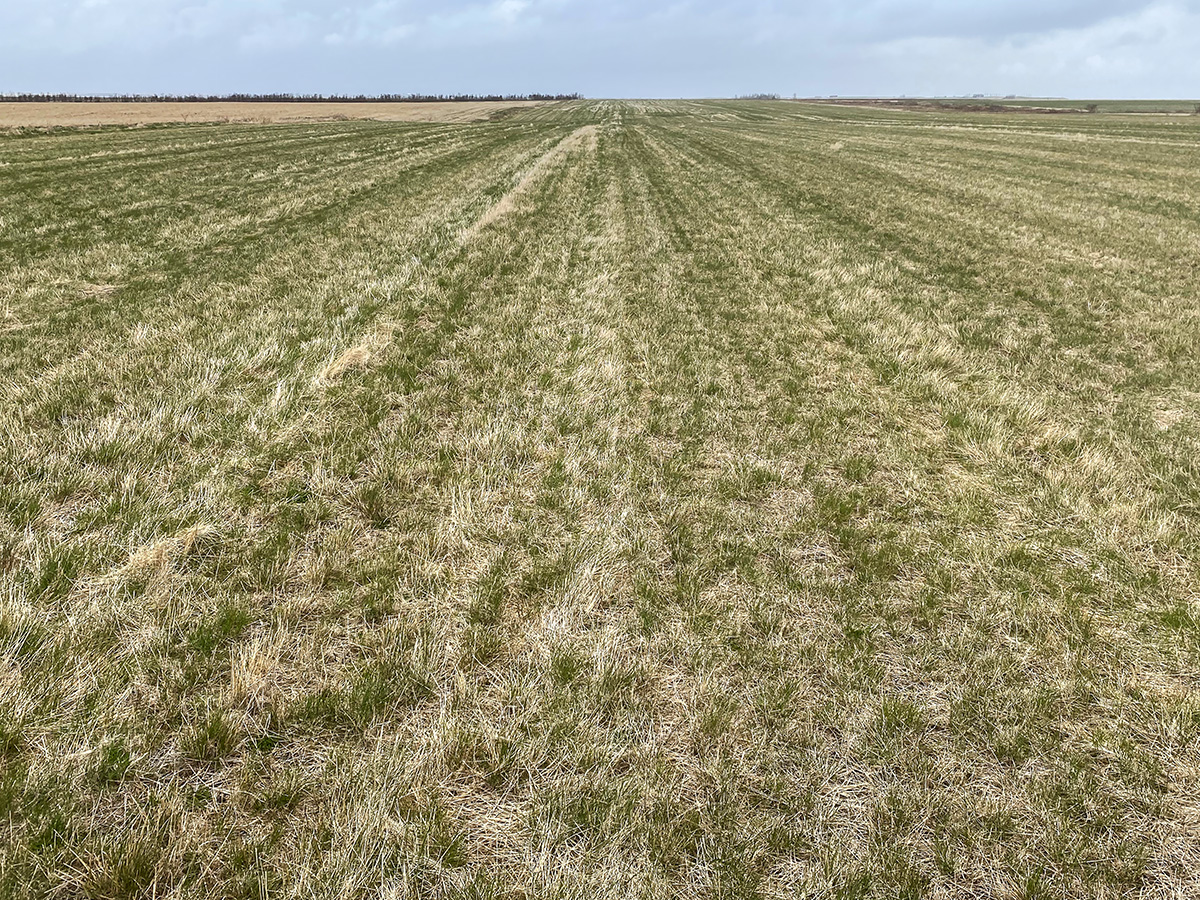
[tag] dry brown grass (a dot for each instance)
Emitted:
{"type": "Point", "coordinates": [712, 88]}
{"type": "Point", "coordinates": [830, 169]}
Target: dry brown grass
{"type": "Point", "coordinates": [46, 115]}
{"type": "Point", "coordinates": [582, 138]}
{"type": "Point", "coordinates": [358, 356]}
{"type": "Point", "coordinates": [161, 552]}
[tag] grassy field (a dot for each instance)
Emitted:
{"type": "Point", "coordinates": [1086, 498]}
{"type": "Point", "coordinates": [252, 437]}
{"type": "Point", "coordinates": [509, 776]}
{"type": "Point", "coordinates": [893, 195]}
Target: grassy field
{"type": "Point", "coordinates": [611, 500]}
{"type": "Point", "coordinates": [1174, 107]}
{"type": "Point", "coordinates": [1187, 107]}
{"type": "Point", "coordinates": [1113, 106]}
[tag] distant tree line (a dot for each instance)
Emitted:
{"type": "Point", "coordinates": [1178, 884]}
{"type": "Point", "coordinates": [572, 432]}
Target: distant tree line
{"type": "Point", "coordinates": [758, 97]}
{"type": "Point", "coordinates": [281, 98]}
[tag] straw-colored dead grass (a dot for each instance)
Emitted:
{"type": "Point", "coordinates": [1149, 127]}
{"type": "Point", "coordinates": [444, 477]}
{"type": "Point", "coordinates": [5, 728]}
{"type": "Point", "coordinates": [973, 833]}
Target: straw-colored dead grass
{"type": "Point", "coordinates": [582, 138]}
{"type": "Point", "coordinates": [57, 115]}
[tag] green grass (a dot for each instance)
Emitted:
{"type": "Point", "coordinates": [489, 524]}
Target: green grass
{"type": "Point", "coordinates": [618, 499]}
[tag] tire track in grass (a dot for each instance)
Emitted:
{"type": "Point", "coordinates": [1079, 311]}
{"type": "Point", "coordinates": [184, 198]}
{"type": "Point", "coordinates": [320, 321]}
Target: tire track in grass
{"type": "Point", "coordinates": [584, 136]}
{"type": "Point", "coordinates": [710, 611]}
{"type": "Point", "coordinates": [534, 514]}
{"type": "Point", "coordinates": [515, 514]}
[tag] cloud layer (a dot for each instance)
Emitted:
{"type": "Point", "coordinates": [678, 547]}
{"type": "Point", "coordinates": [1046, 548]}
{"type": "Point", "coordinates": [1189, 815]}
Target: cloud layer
{"type": "Point", "coordinates": [617, 48]}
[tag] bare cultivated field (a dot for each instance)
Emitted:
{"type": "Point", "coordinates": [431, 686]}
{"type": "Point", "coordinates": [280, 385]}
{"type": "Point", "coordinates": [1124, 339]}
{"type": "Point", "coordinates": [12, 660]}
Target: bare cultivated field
{"type": "Point", "coordinates": [1006, 105]}
{"type": "Point", "coordinates": [610, 500]}
{"type": "Point", "coordinates": [46, 115]}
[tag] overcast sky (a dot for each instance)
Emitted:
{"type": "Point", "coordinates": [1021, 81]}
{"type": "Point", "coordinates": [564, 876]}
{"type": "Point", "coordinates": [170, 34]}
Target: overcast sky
{"type": "Point", "coordinates": [614, 48]}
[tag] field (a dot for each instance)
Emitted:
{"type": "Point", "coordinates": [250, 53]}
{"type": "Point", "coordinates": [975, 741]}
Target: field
{"type": "Point", "coordinates": [1124, 107]}
{"type": "Point", "coordinates": [57, 115]}
{"type": "Point", "coordinates": [613, 499]}
{"type": "Point", "coordinates": [1187, 107]}
{"type": "Point", "coordinates": [1113, 106]}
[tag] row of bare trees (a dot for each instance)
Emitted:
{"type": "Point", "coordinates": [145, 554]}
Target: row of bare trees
{"type": "Point", "coordinates": [281, 98]}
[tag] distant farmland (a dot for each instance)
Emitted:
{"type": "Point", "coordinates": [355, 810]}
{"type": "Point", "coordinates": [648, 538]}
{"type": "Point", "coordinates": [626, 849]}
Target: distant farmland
{"type": "Point", "coordinates": [49, 114]}
{"type": "Point", "coordinates": [604, 500]}
{"type": "Point", "coordinates": [1011, 104]}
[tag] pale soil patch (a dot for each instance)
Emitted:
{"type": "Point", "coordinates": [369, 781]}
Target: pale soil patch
{"type": "Point", "coordinates": [37, 115]}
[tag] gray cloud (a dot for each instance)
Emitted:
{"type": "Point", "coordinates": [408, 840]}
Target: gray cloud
{"type": "Point", "coordinates": [652, 47]}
